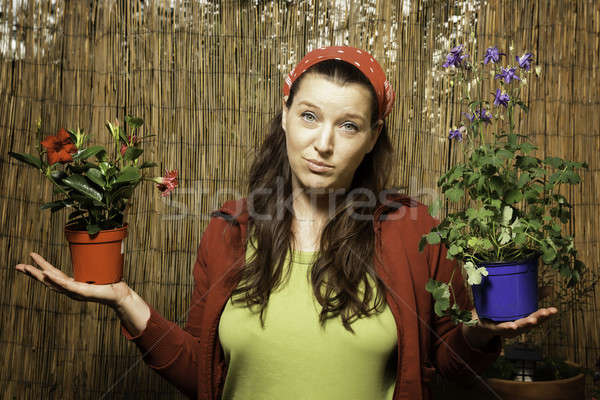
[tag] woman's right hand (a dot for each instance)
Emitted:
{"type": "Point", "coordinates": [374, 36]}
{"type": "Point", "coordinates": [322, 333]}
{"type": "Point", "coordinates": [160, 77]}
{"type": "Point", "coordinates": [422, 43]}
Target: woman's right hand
{"type": "Point", "coordinates": [112, 295]}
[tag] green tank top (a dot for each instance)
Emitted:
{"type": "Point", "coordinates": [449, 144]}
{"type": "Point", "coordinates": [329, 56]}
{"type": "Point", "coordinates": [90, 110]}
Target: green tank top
{"type": "Point", "coordinates": [294, 358]}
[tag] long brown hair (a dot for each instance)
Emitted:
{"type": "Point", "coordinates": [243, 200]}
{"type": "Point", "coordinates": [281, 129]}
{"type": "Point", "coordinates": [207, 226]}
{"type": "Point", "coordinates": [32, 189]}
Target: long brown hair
{"type": "Point", "coordinates": [347, 244]}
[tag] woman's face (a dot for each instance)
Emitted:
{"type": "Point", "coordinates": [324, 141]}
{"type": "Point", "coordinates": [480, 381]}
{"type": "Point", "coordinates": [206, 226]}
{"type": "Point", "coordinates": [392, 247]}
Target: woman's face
{"type": "Point", "coordinates": [331, 124]}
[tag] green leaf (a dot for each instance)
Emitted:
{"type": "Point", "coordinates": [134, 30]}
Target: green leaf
{"type": "Point", "coordinates": [535, 224]}
{"type": "Point", "coordinates": [524, 179]}
{"type": "Point", "coordinates": [549, 254]}
{"type": "Point", "coordinates": [573, 178]}
{"type": "Point", "coordinates": [82, 185]}
{"type": "Point", "coordinates": [123, 136]}
{"type": "Point", "coordinates": [564, 215]}
{"type": "Point", "coordinates": [128, 174]}
{"type": "Point", "coordinates": [527, 147]}
{"type": "Point", "coordinates": [556, 228]}
{"type": "Point", "coordinates": [96, 176]}
{"type": "Point", "coordinates": [55, 205]}
{"type": "Point", "coordinates": [520, 238]}
{"type": "Point", "coordinates": [93, 229]}
{"type": "Point", "coordinates": [148, 164]}
{"type": "Point", "coordinates": [555, 162]}
{"type": "Point", "coordinates": [533, 192]}
{"type": "Point", "coordinates": [504, 236]}
{"type": "Point", "coordinates": [132, 153]}
{"type": "Point", "coordinates": [440, 292]}
{"type": "Point", "coordinates": [135, 122]}
{"type": "Point", "coordinates": [454, 250]}
{"type": "Point", "coordinates": [455, 173]}
{"type": "Point", "coordinates": [504, 154]}
{"type": "Point", "coordinates": [87, 153]}
{"type": "Point", "coordinates": [27, 159]}
{"type": "Point", "coordinates": [538, 172]}
{"type": "Point", "coordinates": [507, 214]}
{"type": "Point", "coordinates": [433, 238]}
{"type": "Point", "coordinates": [513, 196]}
{"type": "Point", "coordinates": [496, 184]}
{"type": "Point", "coordinates": [422, 243]}
{"type": "Point", "coordinates": [475, 275]}
{"type": "Point", "coordinates": [462, 316]}
{"type": "Point", "coordinates": [454, 194]}
{"type": "Point", "coordinates": [124, 192]}
{"type": "Point", "coordinates": [558, 177]}
{"type": "Point", "coordinates": [527, 162]}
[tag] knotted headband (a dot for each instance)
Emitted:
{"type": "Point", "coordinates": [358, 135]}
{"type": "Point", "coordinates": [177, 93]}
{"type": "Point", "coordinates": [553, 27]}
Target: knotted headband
{"type": "Point", "coordinates": [361, 60]}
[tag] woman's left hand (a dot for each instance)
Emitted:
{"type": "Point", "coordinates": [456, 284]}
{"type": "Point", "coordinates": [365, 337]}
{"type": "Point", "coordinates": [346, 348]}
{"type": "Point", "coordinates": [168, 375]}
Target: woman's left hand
{"type": "Point", "coordinates": [479, 335]}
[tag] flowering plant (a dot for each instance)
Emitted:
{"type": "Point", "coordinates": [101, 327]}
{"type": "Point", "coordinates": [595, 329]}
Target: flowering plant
{"type": "Point", "coordinates": [97, 190]}
{"type": "Point", "coordinates": [514, 209]}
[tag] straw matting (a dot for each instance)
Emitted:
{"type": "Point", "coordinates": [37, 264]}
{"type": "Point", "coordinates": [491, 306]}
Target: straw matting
{"type": "Point", "coordinates": [206, 76]}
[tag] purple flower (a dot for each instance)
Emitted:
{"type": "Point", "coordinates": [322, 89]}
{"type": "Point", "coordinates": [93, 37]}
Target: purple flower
{"type": "Point", "coordinates": [525, 61]}
{"type": "Point", "coordinates": [492, 54]}
{"type": "Point", "coordinates": [501, 98]}
{"type": "Point", "coordinates": [483, 115]}
{"type": "Point", "coordinates": [455, 57]}
{"type": "Point", "coordinates": [507, 74]}
{"type": "Point", "coordinates": [455, 134]}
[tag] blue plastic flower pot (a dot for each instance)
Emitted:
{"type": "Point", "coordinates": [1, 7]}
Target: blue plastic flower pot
{"type": "Point", "coordinates": [509, 292]}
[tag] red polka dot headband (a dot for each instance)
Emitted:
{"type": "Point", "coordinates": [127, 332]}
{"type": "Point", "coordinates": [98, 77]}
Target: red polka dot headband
{"type": "Point", "coordinates": [361, 60]}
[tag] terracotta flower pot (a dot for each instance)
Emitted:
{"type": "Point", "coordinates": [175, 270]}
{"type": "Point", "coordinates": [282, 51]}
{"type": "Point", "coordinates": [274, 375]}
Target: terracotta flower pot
{"type": "Point", "coordinates": [98, 259]}
{"type": "Point", "coordinates": [568, 389]}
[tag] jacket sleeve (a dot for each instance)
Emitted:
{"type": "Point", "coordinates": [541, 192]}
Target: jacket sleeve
{"type": "Point", "coordinates": [167, 348]}
{"type": "Point", "coordinates": [455, 358]}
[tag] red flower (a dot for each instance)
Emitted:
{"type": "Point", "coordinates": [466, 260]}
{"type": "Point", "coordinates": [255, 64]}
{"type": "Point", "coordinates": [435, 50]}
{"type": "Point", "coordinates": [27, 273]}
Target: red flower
{"type": "Point", "coordinates": [167, 183]}
{"type": "Point", "coordinates": [59, 148]}
{"type": "Point", "coordinates": [131, 140]}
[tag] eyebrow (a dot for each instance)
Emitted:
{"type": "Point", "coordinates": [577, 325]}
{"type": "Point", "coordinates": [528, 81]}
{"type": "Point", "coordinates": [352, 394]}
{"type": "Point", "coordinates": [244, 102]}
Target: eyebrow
{"type": "Point", "coordinates": [349, 114]}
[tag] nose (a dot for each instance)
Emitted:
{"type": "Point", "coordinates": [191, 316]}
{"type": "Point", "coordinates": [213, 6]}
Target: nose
{"type": "Point", "coordinates": [325, 138]}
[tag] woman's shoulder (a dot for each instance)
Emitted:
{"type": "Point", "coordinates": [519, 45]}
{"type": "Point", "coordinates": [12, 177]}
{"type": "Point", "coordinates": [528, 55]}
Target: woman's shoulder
{"type": "Point", "coordinates": [401, 211]}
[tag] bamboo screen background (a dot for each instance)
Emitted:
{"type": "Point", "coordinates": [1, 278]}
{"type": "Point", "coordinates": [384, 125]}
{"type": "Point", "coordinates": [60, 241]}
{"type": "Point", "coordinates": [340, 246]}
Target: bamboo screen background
{"type": "Point", "coordinates": [206, 77]}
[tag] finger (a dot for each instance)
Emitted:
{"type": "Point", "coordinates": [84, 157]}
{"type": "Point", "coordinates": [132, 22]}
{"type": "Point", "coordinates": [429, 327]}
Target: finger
{"type": "Point", "coordinates": [30, 271]}
{"type": "Point", "coordinates": [46, 265]}
{"type": "Point", "coordinates": [543, 313]}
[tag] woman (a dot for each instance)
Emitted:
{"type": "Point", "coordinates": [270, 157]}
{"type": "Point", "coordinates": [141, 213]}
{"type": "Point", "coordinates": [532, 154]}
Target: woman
{"type": "Point", "coordinates": [313, 286]}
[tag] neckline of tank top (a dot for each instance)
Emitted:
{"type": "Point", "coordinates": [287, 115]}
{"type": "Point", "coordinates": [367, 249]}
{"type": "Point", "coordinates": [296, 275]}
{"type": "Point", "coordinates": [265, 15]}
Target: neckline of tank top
{"type": "Point", "coordinates": [304, 257]}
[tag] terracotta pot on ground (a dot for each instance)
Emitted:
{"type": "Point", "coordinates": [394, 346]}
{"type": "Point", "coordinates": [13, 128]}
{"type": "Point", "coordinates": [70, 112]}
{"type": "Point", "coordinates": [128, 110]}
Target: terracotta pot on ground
{"type": "Point", "coordinates": [97, 259]}
{"type": "Point", "coordinates": [567, 389]}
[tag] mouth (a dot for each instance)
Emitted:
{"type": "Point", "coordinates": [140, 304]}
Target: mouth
{"type": "Point", "coordinates": [315, 166]}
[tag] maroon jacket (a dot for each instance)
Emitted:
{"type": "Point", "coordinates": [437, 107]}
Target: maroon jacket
{"type": "Point", "coordinates": [192, 358]}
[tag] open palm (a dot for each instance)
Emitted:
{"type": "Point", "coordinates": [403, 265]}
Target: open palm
{"type": "Point", "coordinates": [112, 294]}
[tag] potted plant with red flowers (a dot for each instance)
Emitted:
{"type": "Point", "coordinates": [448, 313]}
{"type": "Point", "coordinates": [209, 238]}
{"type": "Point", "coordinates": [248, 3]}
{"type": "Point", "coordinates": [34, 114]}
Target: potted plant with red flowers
{"type": "Point", "coordinates": [514, 212]}
{"type": "Point", "coordinates": [96, 184]}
